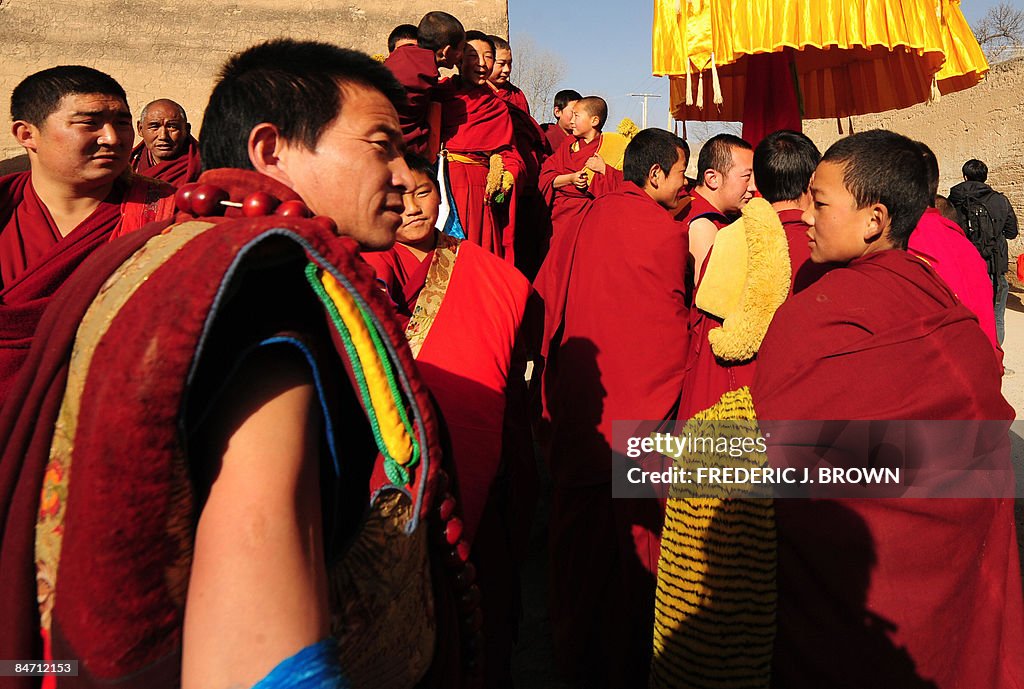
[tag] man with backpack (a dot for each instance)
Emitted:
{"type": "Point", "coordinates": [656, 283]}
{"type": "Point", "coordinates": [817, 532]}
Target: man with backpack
{"type": "Point", "coordinates": [988, 219]}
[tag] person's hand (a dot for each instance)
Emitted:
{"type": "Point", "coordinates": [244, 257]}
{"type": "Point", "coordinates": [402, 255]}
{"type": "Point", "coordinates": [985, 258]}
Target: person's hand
{"type": "Point", "coordinates": [579, 180]}
{"type": "Point", "coordinates": [596, 163]}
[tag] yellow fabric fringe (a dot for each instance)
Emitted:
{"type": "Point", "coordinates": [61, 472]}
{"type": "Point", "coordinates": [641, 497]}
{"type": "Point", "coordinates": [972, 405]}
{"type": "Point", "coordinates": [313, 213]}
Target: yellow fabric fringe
{"type": "Point", "coordinates": [392, 430]}
{"type": "Point", "coordinates": [714, 624]}
{"type": "Point", "coordinates": [494, 175]}
{"type": "Point", "coordinates": [747, 279]}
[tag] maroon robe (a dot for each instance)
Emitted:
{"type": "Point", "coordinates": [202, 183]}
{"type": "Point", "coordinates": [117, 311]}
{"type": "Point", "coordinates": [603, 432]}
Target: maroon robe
{"type": "Point", "coordinates": [568, 203]}
{"type": "Point", "coordinates": [476, 124]}
{"type": "Point", "coordinates": [472, 312]}
{"type": "Point", "coordinates": [35, 259]}
{"type": "Point", "coordinates": [416, 70]}
{"type": "Point", "coordinates": [533, 220]}
{"type": "Point", "coordinates": [554, 134]}
{"type": "Point", "coordinates": [889, 592]}
{"type": "Point", "coordinates": [182, 170]}
{"type": "Point", "coordinates": [621, 356]}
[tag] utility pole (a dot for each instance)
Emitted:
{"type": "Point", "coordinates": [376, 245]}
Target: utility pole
{"type": "Point", "coordinates": [645, 96]}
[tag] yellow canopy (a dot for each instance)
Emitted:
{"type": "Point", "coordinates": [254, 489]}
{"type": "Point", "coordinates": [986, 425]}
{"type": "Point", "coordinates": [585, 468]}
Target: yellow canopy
{"type": "Point", "coordinates": [850, 56]}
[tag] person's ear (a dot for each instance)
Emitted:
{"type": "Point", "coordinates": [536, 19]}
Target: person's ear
{"type": "Point", "coordinates": [878, 221]}
{"type": "Point", "coordinates": [266, 146]}
{"type": "Point", "coordinates": [595, 121]}
{"type": "Point", "coordinates": [138, 127]}
{"type": "Point", "coordinates": [711, 179]}
{"type": "Point", "coordinates": [25, 134]}
{"type": "Point", "coordinates": [654, 176]}
{"type": "Point", "coordinates": [188, 129]}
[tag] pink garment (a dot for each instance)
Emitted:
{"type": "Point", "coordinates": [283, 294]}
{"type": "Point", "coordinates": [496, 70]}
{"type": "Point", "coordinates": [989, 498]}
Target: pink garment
{"type": "Point", "coordinates": [943, 245]}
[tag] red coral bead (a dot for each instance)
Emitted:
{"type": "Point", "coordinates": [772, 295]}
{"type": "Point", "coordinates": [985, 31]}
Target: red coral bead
{"type": "Point", "coordinates": [258, 203]}
{"type": "Point", "coordinates": [447, 508]}
{"type": "Point", "coordinates": [463, 549]}
{"type": "Point", "coordinates": [453, 530]}
{"type": "Point", "coordinates": [206, 200]}
{"type": "Point", "coordinates": [183, 197]}
{"type": "Point", "coordinates": [326, 224]}
{"type": "Point", "coordinates": [293, 209]}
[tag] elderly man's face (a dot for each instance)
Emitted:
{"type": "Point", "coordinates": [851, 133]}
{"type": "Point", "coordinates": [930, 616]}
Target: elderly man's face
{"type": "Point", "coordinates": [356, 175]}
{"type": "Point", "coordinates": [164, 131]}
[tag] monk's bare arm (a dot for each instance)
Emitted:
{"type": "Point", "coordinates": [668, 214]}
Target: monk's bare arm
{"type": "Point", "coordinates": [257, 592]}
{"type": "Point", "coordinates": [701, 236]}
{"type": "Point", "coordinates": [565, 180]}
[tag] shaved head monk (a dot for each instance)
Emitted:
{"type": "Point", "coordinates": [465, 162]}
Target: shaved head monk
{"type": "Point", "coordinates": [484, 167]}
{"type": "Point", "coordinates": [168, 150]}
{"type": "Point", "coordinates": [620, 356]}
{"type": "Point", "coordinates": [242, 368]}
{"type": "Point", "coordinates": [869, 589]}
{"type": "Point", "coordinates": [75, 125]}
{"type": "Point", "coordinates": [561, 128]}
{"type": "Point", "coordinates": [463, 308]}
{"type": "Point", "coordinates": [440, 40]}
{"type": "Point", "coordinates": [725, 182]}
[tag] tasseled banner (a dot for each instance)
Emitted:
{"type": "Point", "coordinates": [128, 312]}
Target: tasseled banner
{"type": "Point", "coordinates": [716, 87]}
{"type": "Point", "coordinates": [935, 96]}
{"type": "Point", "coordinates": [700, 90]}
{"type": "Point", "coordinates": [689, 85]}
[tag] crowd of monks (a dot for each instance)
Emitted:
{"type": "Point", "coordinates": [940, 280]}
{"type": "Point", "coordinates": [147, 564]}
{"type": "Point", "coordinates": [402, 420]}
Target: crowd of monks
{"type": "Point", "coordinates": [272, 401]}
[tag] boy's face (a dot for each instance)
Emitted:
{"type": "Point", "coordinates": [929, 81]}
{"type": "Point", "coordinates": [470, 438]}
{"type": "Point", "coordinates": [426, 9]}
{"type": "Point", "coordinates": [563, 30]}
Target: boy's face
{"type": "Point", "coordinates": [736, 187]}
{"type": "Point", "coordinates": [422, 205]}
{"type": "Point", "coordinates": [477, 62]}
{"type": "Point", "coordinates": [583, 123]}
{"type": "Point", "coordinates": [841, 232]}
{"type": "Point", "coordinates": [502, 67]}
{"type": "Point", "coordinates": [564, 116]}
{"type": "Point", "coordinates": [671, 184]}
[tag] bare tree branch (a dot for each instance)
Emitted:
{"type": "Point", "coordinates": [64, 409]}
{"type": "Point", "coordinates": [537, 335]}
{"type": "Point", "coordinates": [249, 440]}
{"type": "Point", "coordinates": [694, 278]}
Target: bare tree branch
{"type": "Point", "coordinates": [537, 72]}
{"type": "Point", "coordinates": [1000, 32]}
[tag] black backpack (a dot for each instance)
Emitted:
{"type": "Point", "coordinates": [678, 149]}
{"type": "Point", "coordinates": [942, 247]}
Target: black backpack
{"type": "Point", "coordinates": [980, 229]}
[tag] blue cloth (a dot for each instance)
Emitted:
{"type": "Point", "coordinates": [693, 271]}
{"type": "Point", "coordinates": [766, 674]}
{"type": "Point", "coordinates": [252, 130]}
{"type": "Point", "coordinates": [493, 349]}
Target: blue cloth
{"type": "Point", "coordinates": [314, 667]}
{"type": "Point", "coordinates": [1002, 291]}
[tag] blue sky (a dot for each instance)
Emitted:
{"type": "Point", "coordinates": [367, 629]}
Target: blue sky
{"type": "Point", "coordinates": [607, 48]}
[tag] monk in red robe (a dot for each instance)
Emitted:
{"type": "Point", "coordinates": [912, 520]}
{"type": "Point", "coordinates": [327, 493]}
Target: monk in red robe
{"type": "Point", "coordinates": [568, 187]}
{"type": "Point", "coordinates": [75, 125]}
{"type": "Point", "coordinates": [168, 151]}
{"type": "Point", "coordinates": [783, 164]}
{"type": "Point", "coordinates": [224, 361]}
{"type": "Point", "coordinates": [561, 129]}
{"type": "Point", "coordinates": [533, 220]}
{"type": "Point", "coordinates": [440, 40]}
{"type": "Point", "coordinates": [888, 592]}
{"type": "Point", "coordinates": [621, 356]}
{"type": "Point", "coordinates": [462, 308]}
{"type": "Point", "coordinates": [482, 163]}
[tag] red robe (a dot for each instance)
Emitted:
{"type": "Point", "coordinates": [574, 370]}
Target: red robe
{"type": "Point", "coordinates": [35, 260]}
{"type": "Point", "coordinates": [533, 220]}
{"type": "Point", "coordinates": [476, 124]}
{"type": "Point", "coordinates": [416, 70]}
{"type": "Point", "coordinates": [943, 244]}
{"type": "Point", "coordinates": [568, 203]}
{"type": "Point", "coordinates": [182, 170]}
{"type": "Point", "coordinates": [889, 592]}
{"type": "Point", "coordinates": [465, 319]}
{"type": "Point", "coordinates": [554, 134]}
{"type": "Point", "coordinates": [621, 356]}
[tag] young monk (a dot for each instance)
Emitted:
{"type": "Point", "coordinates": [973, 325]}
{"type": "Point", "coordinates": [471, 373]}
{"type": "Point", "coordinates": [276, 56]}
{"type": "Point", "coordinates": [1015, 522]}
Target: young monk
{"type": "Point", "coordinates": [403, 34]}
{"type": "Point", "coordinates": [561, 128]}
{"type": "Point", "coordinates": [440, 39]}
{"type": "Point", "coordinates": [482, 163]}
{"type": "Point", "coordinates": [76, 128]}
{"type": "Point", "coordinates": [868, 590]}
{"type": "Point", "coordinates": [621, 356]}
{"type": "Point", "coordinates": [576, 174]}
{"type": "Point", "coordinates": [462, 309]}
